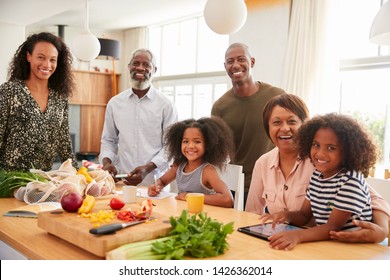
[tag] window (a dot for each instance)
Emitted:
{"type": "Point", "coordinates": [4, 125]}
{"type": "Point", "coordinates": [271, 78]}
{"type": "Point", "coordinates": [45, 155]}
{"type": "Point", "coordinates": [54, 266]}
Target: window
{"type": "Point", "coordinates": [190, 65]}
{"type": "Point", "coordinates": [194, 97]}
{"type": "Point", "coordinates": [365, 76]}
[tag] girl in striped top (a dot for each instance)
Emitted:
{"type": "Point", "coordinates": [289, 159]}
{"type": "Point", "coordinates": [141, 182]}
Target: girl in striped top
{"type": "Point", "coordinates": [342, 153]}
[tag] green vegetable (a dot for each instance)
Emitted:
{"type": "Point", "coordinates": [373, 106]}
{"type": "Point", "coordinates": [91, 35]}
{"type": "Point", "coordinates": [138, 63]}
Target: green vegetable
{"type": "Point", "coordinates": [196, 236]}
{"type": "Point", "coordinates": [11, 180]}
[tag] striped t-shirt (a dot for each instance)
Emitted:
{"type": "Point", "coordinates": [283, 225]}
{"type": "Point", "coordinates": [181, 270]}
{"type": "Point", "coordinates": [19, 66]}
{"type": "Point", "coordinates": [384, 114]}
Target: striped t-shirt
{"type": "Point", "coordinates": [345, 191]}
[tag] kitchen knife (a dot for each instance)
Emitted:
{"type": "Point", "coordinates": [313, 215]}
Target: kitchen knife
{"type": "Point", "coordinates": [111, 228]}
{"type": "Point", "coordinates": [120, 176]}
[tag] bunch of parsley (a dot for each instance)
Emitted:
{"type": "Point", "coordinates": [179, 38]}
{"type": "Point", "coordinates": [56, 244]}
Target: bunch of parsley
{"type": "Point", "coordinates": [196, 236]}
{"type": "Point", "coordinates": [11, 180]}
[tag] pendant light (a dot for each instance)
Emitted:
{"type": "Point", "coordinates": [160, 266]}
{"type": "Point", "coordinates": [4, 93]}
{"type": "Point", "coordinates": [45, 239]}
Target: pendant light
{"type": "Point", "coordinates": [110, 50]}
{"type": "Point", "coordinates": [86, 46]}
{"type": "Point", "coordinates": [380, 28]}
{"type": "Point", "coordinates": [225, 16]}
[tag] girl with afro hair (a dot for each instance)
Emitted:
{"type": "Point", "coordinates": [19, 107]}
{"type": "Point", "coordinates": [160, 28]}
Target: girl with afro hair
{"type": "Point", "coordinates": [197, 148]}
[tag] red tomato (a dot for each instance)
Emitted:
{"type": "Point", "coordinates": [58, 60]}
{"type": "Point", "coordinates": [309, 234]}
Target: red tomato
{"type": "Point", "coordinates": [116, 203]}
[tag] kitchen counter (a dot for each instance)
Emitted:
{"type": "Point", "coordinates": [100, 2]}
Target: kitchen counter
{"type": "Point", "coordinates": [26, 237]}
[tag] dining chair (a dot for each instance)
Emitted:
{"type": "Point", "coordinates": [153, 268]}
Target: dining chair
{"type": "Point", "coordinates": [233, 176]}
{"type": "Point", "coordinates": [382, 186]}
{"type": "Point", "coordinates": [387, 174]}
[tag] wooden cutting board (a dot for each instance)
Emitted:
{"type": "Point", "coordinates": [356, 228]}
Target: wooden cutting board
{"type": "Point", "coordinates": [75, 229]}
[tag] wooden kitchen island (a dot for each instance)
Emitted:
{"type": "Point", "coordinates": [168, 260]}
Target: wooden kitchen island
{"type": "Point", "coordinates": [24, 235]}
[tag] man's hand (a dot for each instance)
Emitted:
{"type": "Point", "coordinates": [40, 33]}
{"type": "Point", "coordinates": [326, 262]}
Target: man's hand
{"type": "Point", "coordinates": [369, 233]}
{"type": "Point", "coordinates": [110, 167]}
{"type": "Point", "coordinates": [138, 174]}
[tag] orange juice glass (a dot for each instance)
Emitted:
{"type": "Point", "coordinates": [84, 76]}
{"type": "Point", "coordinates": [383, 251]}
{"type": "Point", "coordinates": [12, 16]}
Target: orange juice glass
{"type": "Point", "coordinates": [195, 202]}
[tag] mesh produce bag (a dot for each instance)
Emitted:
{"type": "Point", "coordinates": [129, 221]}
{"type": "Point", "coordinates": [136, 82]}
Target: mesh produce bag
{"type": "Point", "coordinates": [103, 184]}
{"type": "Point", "coordinates": [36, 192]}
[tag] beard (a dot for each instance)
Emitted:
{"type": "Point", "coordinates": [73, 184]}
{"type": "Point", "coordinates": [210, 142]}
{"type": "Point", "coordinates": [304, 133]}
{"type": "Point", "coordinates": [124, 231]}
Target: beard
{"type": "Point", "coordinates": [140, 85]}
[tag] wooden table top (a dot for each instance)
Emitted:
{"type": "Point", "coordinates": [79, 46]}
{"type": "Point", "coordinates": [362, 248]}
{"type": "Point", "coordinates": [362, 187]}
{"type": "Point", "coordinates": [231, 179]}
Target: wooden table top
{"type": "Point", "coordinates": [25, 236]}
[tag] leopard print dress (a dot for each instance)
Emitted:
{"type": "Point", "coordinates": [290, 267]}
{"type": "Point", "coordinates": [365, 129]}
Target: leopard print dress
{"type": "Point", "coordinates": [30, 138]}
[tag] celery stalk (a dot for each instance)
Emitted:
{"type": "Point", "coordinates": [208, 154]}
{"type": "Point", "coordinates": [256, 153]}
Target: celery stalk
{"type": "Point", "coordinates": [136, 251]}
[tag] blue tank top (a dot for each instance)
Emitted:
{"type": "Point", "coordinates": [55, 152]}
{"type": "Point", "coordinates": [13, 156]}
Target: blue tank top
{"type": "Point", "coordinates": [192, 181]}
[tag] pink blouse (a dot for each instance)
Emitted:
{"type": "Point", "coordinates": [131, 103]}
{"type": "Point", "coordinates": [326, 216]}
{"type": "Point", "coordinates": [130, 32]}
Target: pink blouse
{"type": "Point", "coordinates": [269, 187]}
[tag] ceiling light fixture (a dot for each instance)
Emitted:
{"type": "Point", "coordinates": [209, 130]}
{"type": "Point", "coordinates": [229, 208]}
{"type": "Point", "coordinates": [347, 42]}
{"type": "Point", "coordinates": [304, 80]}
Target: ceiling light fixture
{"type": "Point", "coordinates": [225, 16]}
{"type": "Point", "coordinates": [110, 49]}
{"type": "Point", "coordinates": [86, 46]}
{"type": "Point", "coordinates": [380, 28]}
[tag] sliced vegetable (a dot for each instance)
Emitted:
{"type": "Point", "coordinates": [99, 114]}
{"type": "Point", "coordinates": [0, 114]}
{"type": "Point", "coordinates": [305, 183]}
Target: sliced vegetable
{"type": "Point", "coordinates": [11, 180]}
{"type": "Point", "coordinates": [88, 204]}
{"type": "Point", "coordinates": [196, 236]}
{"type": "Point", "coordinates": [126, 215]}
{"type": "Point", "coordinates": [99, 218]}
{"type": "Point", "coordinates": [84, 171]}
{"type": "Point", "coordinates": [146, 209]}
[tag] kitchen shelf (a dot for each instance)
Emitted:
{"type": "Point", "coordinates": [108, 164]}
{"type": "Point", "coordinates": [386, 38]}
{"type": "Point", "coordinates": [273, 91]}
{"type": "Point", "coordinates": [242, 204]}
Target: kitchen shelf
{"type": "Point", "coordinates": [93, 91]}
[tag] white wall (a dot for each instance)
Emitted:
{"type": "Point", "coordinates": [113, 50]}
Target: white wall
{"type": "Point", "coordinates": [265, 32]}
{"type": "Point", "coordinates": [12, 36]}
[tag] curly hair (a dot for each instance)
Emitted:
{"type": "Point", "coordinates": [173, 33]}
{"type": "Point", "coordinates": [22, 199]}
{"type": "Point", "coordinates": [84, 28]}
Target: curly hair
{"type": "Point", "coordinates": [287, 101]}
{"type": "Point", "coordinates": [359, 150]}
{"type": "Point", "coordinates": [218, 140]}
{"type": "Point", "coordinates": [61, 80]}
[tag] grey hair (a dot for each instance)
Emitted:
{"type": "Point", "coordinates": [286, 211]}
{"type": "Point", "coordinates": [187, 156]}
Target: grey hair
{"type": "Point", "coordinates": [143, 50]}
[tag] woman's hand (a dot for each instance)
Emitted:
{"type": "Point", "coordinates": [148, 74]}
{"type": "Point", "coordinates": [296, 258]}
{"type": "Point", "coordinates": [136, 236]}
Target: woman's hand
{"type": "Point", "coordinates": [277, 218]}
{"type": "Point", "coordinates": [369, 233]}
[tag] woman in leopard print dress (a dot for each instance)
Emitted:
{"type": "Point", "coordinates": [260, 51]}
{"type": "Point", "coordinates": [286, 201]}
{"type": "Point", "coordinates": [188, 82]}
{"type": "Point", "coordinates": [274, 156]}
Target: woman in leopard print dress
{"type": "Point", "coordinates": [34, 126]}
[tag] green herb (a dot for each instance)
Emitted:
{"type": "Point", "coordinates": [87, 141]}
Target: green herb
{"type": "Point", "coordinates": [196, 236]}
{"type": "Point", "coordinates": [11, 180]}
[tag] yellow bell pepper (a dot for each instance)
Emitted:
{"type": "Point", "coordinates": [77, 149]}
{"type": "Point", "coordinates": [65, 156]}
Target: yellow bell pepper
{"type": "Point", "coordinates": [84, 171]}
{"type": "Point", "coordinates": [88, 204]}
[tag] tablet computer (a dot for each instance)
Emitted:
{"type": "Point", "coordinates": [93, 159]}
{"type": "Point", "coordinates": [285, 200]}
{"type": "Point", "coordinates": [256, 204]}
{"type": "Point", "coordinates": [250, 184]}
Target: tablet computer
{"type": "Point", "coordinates": [264, 231]}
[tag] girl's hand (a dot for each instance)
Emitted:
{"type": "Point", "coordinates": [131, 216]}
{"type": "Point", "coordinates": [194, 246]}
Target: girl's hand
{"type": "Point", "coordinates": [284, 240]}
{"type": "Point", "coordinates": [154, 190]}
{"type": "Point", "coordinates": [181, 196]}
{"type": "Point", "coordinates": [277, 218]}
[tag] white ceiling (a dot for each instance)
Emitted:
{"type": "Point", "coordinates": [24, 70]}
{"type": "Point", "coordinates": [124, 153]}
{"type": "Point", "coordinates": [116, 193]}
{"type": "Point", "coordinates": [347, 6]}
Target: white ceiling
{"type": "Point", "coordinates": [103, 14]}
